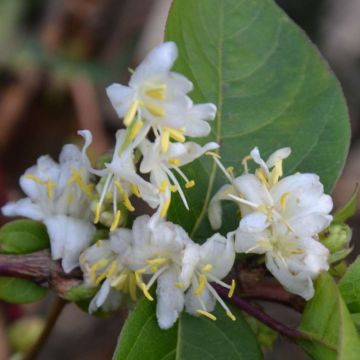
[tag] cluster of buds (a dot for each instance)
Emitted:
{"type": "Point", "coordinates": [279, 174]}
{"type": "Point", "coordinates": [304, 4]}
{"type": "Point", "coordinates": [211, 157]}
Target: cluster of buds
{"type": "Point", "coordinates": [281, 217]}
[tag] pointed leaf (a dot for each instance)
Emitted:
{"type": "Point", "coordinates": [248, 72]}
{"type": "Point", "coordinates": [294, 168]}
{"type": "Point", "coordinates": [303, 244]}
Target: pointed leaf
{"type": "Point", "coordinates": [271, 87]}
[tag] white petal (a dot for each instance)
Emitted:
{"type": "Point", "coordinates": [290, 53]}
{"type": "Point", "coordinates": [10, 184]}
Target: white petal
{"type": "Point", "coordinates": [101, 296]}
{"type": "Point", "coordinates": [190, 260]}
{"type": "Point", "coordinates": [198, 128]}
{"type": "Point", "coordinates": [254, 222]}
{"type": "Point", "coordinates": [248, 242]}
{"type": "Point", "coordinates": [255, 154]}
{"type": "Point", "coordinates": [194, 151]}
{"type": "Point", "coordinates": [69, 237]}
{"type": "Point", "coordinates": [280, 154]}
{"type": "Point", "coordinates": [121, 98]}
{"type": "Point", "coordinates": [158, 61]}
{"type": "Point", "coordinates": [170, 299]}
{"type": "Point", "coordinates": [192, 303]}
{"type": "Point", "coordinates": [299, 284]}
{"type": "Point", "coordinates": [23, 207]}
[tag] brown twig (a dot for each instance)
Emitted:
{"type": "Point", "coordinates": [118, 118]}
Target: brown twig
{"type": "Point", "coordinates": [55, 312]}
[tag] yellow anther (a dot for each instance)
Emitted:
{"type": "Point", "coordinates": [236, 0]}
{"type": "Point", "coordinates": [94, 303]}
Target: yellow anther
{"type": "Point", "coordinates": [145, 290]}
{"type": "Point", "coordinates": [175, 162]}
{"type": "Point", "coordinates": [173, 188]}
{"type": "Point", "coordinates": [165, 207]}
{"type": "Point", "coordinates": [154, 269]}
{"type": "Point", "coordinates": [98, 243]}
{"type": "Point", "coordinates": [116, 221]}
{"type": "Point", "coordinates": [206, 268]}
{"type": "Point", "coordinates": [97, 213]}
{"type": "Point", "coordinates": [165, 141]}
{"type": "Point", "coordinates": [135, 190]}
{"type": "Point", "coordinates": [177, 134]}
{"type": "Point", "coordinates": [246, 159]}
{"type": "Point", "coordinates": [157, 261]}
{"type": "Point", "coordinates": [277, 172]}
{"type": "Point", "coordinates": [127, 202]}
{"type": "Point", "coordinates": [34, 178]}
{"type": "Point", "coordinates": [155, 110]}
{"type": "Point", "coordinates": [202, 283]}
{"type": "Point", "coordinates": [259, 173]}
{"type": "Point", "coordinates": [206, 314]}
{"type": "Point", "coordinates": [50, 188]}
{"type": "Point", "coordinates": [138, 274]}
{"type": "Point", "coordinates": [179, 285]}
{"type": "Point", "coordinates": [230, 170]}
{"type": "Point", "coordinates": [112, 269]}
{"type": "Point", "coordinates": [119, 281]}
{"type": "Point", "coordinates": [190, 184]}
{"type": "Point", "coordinates": [157, 92]}
{"type": "Point", "coordinates": [214, 154]}
{"type": "Point", "coordinates": [70, 198]}
{"type": "Point", "coordinates": [283, 199]}
{"type": "Point", "coordinates": [135, 129]}
{"type": "Point", "coordinates": [262, 208]}
{"type": "Point", "coordinates": [119, 186]}
{"type": "Point", "coordinates": [163, 186]}
{"type": "Point", "coordinates": [130, 115]}
{"type": "Point", "coordinates": [97, 266]}
{"type": "Point", "coordinates": [231, 315]}
{"type": "Point", "coordinates": [232, 288]}
{"type": "Point", "coordinates": [77, 178]}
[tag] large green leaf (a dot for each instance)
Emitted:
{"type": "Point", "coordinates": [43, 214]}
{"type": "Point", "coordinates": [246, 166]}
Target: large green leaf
{"type": "Point", "coordinates": [20, 291]}
{"type": "Point", "coordinates": [327, 321]}
{"type": "Point", "coordinates": [350, 287]}
{"type": "Point", "coordinates": [190, 338]}
{"type": "Point", "coordinates": [271, 87]}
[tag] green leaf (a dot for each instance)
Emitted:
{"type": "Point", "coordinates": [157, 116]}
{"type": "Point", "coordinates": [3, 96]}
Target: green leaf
{"type": "Point", "coordinates": [20, 291]}
{"type": "Point", "coordinates": [271, 87]}
{"type": "Point", "coordinates": [190, 338]}
{"type": "Point", "coordinates": [349, 287]}
{"type": "Point", "coordinates": [349, 209]}
{"type": "Point", "coordinates": [326, 320]}
{"type": "Point", "coordinates": [23, 237]}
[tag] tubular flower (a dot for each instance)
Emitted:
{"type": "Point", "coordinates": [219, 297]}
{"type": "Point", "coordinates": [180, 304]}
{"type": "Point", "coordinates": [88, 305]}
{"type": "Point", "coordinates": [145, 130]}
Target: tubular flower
{"type": "Point", "coordinates": [295, 261]}
{"type": "Point", "coordinates": [59, 194]}
{"type": "Point", "coordinates": [201, 265]}
{"type": "Point", "coordinates": [157, 256]}
{"type": "Point", "coordinates": [156, 98]}
{"type": "Point", "coordinates": [119, 180]}
{"type": "Point", "coordinates": [105, 263]}
{"type": "Point", "coordinates": [163, 165]}
{"type": "Point", "coordinates": [297, 201]}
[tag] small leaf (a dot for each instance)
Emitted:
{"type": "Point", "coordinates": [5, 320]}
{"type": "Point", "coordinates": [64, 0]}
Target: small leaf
{"type": "Point", "coordinates": [349, 209]}
{"type": "Point", "coordinates": [349, 287]}
{"type": "Point", "coordinates": [190, 338]}
{"type": "Point", "coordinates": [20, 291]}
{"type": "Point", "coordinates": [327, 322]}
{"type": "Point", "coordinates": [23, 237]}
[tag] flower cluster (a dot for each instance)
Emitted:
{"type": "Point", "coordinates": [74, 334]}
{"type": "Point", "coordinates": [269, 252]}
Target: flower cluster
{"type": "Point", "coordinates": [281, 216]}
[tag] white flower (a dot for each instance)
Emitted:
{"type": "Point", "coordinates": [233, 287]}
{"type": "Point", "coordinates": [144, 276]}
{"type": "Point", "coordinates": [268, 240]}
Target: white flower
{"type": "Point", "coordinates": [201, 265]}
{"type": "Point", "coordinates": [295, 261]}
{"type": "Point", "coordinates": [60, 196]}
{"type": "Point", "coordinates": [105, 263]}
{"type": "Point", "coordinates": [298, 200]}
{"type": "Point", "coordinates": [119, 179]}
{"type": "Point", "coordinates": [157, 96]}
{"type": "Point", "coordinates": [157, 252]}
{"type": "Point", "coordinates": [162, 165]}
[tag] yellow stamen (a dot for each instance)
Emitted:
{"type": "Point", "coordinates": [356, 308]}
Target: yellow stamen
{"type": "Point", "coordinates": [146, 292]}
{"type": "Point", "coordinates": [155, 110]}
{"type": "Point", "coordinates": [230, 170]}
{"type": "Point", "coordinates": [277, 172]}
{"type": "Point", "coordinates": [175, 162]}
{"type": "Point", "coordinates": [135, 190]}
{"type": "Point", "coordinates": [119, 281]}
{"type": "Point", "coordinates": [77, 178]}
{"type": "Point", "coordinates": [165, 207]}
{"type": "Point", "coordinates": [164, 141]}
{"type": "Point", "coordinates": [97, 266]}
{"type": "Point", "coordinates": [157, 261]}
{"type": "Point", "coordinates": [98, 243]}
{"type": "Point", "coordinates": [116, 221]}
{"type": "Point", "coordinates": [283, 199]}
{"type": "Point", "coordinates": [202, 283]}
{"type": "Point", "coordinates": [259, 173]}
{"type": "Point", "coordinates": [154, 269]}
{"type": "Point", "coordinates": [70, 198]}
{"type": "Point", "coordinates": [232, 288]}
{"type": "Point", "coordinates": [176, 134]}
{"type": "Point", "coordinates": [173, 188]}
{"type": "Point", "coordinates": [190, 184]}
{"type": "Point", "coordinates": [207, 268]}
{"type": "Point", "coordinates": [127, 202]}
{"type": "Point", "coordinates": [163, 186]}
{"type": "Point", "coordinates": [50, 188]}
{"type": "Point", "coordinates": [119, 186]}
{"type": "Point", "coordinates": [207, 314]}
{"type": "Point", "coordinates": [214, 154]}
{"type": "Point", "coordinates": [231, 315]}
{"type": "Point", "coordinates": [135, 129]}
{"type": "Point", "coordinates": [97, 213]}
{"type": "Point", "coordinates": [179, 285]}
{"type": "Point", "coordinates": [130, 115]}
{"type": "Point", "coordinates": [132, 286]}
{"type": "Point", "coordinates": [157, 92]}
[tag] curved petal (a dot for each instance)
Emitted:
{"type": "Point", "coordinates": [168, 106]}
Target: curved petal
{"type": "Point", "coordinates": [193, 304]}
{"type": "Point", "coordinates": [100, 297]}
{"type": "Point", "coordinates": [251, 242]}
{"type": "Point", "coordinates": [280, 154]}
{"type": "Point", "coordinates": [170, 299]}
{"type": "Point", "coordinates": [23, 207]}
{"type": "Point", "coordinates": [254, 222]}
{"type": "Point", "coordinates": [191, 258]}
{"type": "Point", "coordinates": [121, 98]}
{"type": "Point", "coordinates": [255, 154]}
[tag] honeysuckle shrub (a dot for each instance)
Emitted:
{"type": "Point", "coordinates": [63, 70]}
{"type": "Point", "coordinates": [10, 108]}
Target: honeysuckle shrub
{"type": "Point", "coordinates": [233, 131]}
